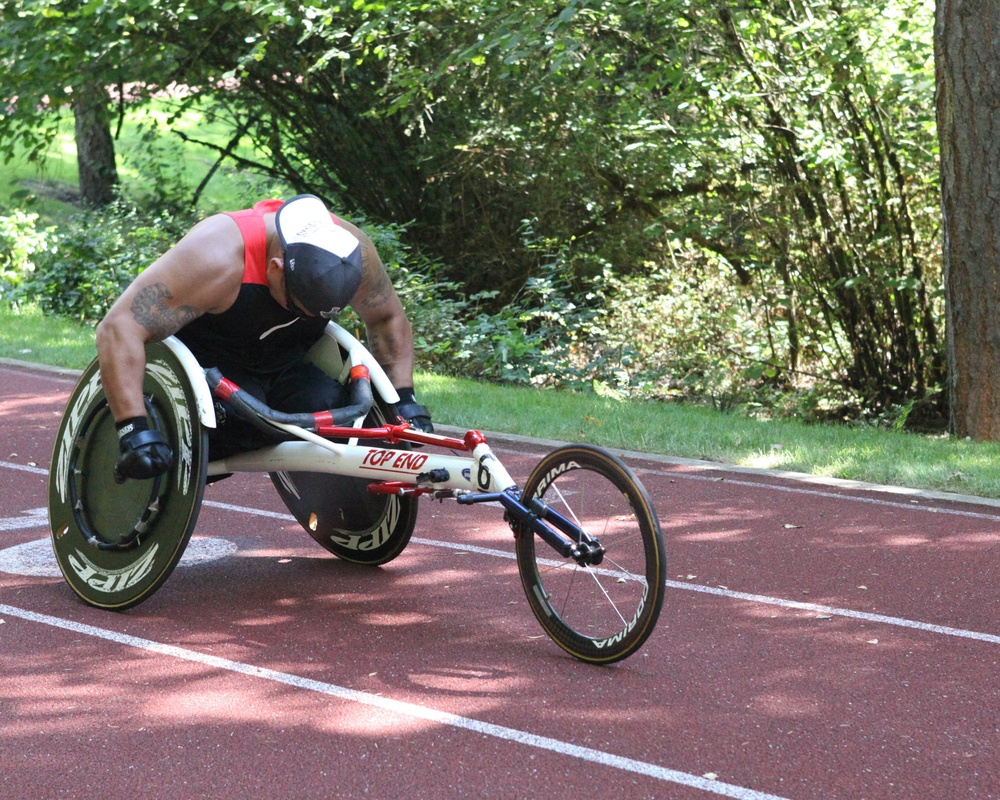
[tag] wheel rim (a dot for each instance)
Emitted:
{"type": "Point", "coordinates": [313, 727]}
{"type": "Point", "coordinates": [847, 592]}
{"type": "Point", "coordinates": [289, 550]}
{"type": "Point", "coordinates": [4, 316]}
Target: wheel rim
{"type": "Point", "coordinates": [117, 544]}
{"type": "Point", "coordinates": [604, 612]}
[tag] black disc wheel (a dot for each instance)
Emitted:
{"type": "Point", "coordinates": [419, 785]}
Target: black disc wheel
{"type": "Point", "coordinates": [343, 516]}
{"type": "Point", "coordinates": [117, 543]}
{"type": "Point", "coordinates": [600, 613]}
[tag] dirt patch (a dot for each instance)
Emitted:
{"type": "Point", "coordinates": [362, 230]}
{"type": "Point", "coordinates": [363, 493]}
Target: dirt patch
{"type": "Point", "coordinates": [53, 190]}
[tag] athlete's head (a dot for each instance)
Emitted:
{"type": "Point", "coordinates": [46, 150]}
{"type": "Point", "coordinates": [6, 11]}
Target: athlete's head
{"type": "Point", "coordinates": [322, 259]}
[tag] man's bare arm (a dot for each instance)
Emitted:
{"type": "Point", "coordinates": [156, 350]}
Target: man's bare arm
{"type": "Point", "coordinates": [390, 336]}
{"type": "Point", "coordinates": [151, 309]}
{"type": "Point", "coordinates": [201, 273]}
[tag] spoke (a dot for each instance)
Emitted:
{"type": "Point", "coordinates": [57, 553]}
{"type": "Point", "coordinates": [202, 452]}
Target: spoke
{"type": "Point", "coordinates": [567, 506]}
{"type": "Point", "coordinates": [607, 596]}
{"type": "Point", "coordinates": [620, 572]}
{"type": "Point", "coordinates": [569, 594]}
{"type": "Point", "coordinates": [605, 617]}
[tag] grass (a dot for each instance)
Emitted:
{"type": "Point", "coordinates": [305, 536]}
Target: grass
{"type": "Point", "coordinates": [56, 341]}
{"type": "Point", "coordinates": [677, 430]}
{"type": "Point", "coordinates": [688, 431]}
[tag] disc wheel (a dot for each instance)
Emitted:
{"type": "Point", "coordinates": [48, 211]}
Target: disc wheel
{"type": "Point", "coordinates": [602, 613]}
{"type": "Point", "coordinates": [117, 543]}
{"type": "Point", "coordinates": [341, 514]}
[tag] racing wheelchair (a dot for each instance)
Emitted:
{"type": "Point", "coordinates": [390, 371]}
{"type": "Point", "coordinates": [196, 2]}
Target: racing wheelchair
{"type": "Point", "coordinates": [589, 548]}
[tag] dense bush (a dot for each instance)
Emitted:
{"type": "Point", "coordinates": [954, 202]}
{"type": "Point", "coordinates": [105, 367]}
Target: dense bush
{"type": "Point", "coordinates": [735, 197]}
{"type": "Point", "coordinates": [21, 243]}
{"type": "Point", "coordinates": [788, 146]}
{"type": "Point", "coordinates": [678, 333]}
{"type": "Point", "coordinates": [95, 256]}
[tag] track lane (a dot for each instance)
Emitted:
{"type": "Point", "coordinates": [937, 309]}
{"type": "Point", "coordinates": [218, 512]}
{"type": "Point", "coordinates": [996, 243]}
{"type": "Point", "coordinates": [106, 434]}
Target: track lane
{"type": "Point", "coordinates": [769, 696]}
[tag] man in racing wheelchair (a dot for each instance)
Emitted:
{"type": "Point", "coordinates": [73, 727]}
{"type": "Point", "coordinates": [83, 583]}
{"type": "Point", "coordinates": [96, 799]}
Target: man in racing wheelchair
{"type": "Point", "coordinates": [250, 292]}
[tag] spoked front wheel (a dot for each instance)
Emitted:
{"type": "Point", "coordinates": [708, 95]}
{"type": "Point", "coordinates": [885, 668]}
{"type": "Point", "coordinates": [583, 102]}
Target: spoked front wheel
{"type": "Point", "coordinates": [601, 613]}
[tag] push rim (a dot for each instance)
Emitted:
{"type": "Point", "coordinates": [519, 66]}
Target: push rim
{"type": "Point", "coordinates": [116, 544]}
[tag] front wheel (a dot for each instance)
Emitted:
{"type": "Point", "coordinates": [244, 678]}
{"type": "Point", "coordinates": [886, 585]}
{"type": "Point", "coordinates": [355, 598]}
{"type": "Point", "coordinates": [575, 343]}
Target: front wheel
{"type": "Point", "coordinates": [602, 613]}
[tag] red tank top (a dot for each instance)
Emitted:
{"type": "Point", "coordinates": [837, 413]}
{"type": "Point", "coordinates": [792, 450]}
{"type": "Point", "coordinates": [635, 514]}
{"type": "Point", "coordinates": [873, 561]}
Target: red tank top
{"type": "Point", "coordinates": [254, 232]}
{"type": "Point", "coordinates": [255, 334]}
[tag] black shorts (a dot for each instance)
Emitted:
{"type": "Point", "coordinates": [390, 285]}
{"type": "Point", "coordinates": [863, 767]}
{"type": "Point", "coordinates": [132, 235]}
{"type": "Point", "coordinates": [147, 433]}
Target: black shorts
{"type": "Point", "coordinates": [299, 387]}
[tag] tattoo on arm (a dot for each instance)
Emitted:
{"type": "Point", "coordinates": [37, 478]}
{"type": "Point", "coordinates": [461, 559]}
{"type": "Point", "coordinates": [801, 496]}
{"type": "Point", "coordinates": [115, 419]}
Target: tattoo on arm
{"type": "Point", "coordinates": [375, 345]}
{"type": "Point", "coordinates": [379, 289]}
{"type": "Point", "coordinates": [151, 310]}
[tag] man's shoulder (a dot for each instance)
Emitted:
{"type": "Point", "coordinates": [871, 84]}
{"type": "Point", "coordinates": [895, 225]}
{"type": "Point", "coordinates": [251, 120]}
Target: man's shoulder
{"type": "Point", "coordinates": [217, 224]}
{"type": "Point", "coordinates": [216, 239]}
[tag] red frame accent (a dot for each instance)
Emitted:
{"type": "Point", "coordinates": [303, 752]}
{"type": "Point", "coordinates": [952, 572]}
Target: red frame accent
{"type": "Point", "coordinates": [398, 487]}
{"type": "Point", "coordinates": [225, 389]}
{"type": "Point", "coordinates": [402, 432]}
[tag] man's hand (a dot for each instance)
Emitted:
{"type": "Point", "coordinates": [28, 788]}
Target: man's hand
{"type": "Point", "coordinates": [409, 409]}
{"type": "Point", "coordinates": [144, 453]}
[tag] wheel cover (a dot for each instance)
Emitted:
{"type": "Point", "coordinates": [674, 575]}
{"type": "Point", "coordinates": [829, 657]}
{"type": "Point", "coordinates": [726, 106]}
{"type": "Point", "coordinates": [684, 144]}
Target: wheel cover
{"type": "Point", "coordinates": [116, 544]}
{"type": "Point", "coordinates": [342, 516]}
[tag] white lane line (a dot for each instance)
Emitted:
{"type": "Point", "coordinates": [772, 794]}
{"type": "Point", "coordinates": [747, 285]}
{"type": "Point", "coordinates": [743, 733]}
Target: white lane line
{"type": "Point", "coordinates": [839, 612]}
{"type": "Point", "coordinates": [466, 548]}
{"type": "Point", "coordinates": [883, 619]}
{"type": "Point", "coordinates": [900, 622]}
{"type": "Point", "coordinates": [402, 708]}
{"type": "Point", "coordinates": [33, 518]}
{"type": "Point", "coordinates": [24, 468]}
{"type": "Point", "coordinates": [832, 611]}
{"type": "Point", "coordinates": [921, 505]}
{"type": "Point", "coordinates": [37, 559]}
{"type": "Point", "coordinates": [258, 512]}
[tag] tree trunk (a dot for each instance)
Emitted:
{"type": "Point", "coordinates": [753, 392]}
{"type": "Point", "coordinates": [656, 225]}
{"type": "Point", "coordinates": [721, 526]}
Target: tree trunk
{"type": "Point", "coordinates": [968, 118]}
{"type": "Point", "coordinates": [95, 147]}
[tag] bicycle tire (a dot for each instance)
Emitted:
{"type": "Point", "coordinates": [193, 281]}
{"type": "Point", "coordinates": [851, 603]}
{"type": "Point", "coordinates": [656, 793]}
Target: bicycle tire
{"type": "Point", "coordinates": [342, 516]}
{"type": "Point", "coordinates": [604, 613]}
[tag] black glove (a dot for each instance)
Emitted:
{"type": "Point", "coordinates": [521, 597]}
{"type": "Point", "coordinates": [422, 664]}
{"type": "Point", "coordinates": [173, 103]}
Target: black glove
{"type": "Point", "coordinates": [409, 409]}
{"type": "Point", "coordinates": [144, 452]}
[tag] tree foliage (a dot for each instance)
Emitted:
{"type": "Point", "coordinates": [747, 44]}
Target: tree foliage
{"type": "Point", "coordinates": [63, 55]}
{"type": "Point", "coordinates": [784, 148]}
{"type": "Point", "coordinates": [792, 143]}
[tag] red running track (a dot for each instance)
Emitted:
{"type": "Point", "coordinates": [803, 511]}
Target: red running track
{"type": "Point", "coordinates": [818, 641]}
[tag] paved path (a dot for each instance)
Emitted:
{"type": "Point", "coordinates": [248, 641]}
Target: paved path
{"type": "Point", "coordinates": [816, 642]}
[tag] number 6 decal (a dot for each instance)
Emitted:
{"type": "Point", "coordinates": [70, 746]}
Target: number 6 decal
{"type": "Point", "coordinates": [483, 476]}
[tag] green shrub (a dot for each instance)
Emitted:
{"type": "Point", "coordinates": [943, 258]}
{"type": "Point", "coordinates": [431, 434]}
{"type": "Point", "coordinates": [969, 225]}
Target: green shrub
{"type": "Point", "coordinates": [99, 252]}
{"type": "Point", "coordinates": [21, 242]}
{"type": "Point", "coordinates": [687, 332]}
{"type": "Point", "coordinates": [535, 338]}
